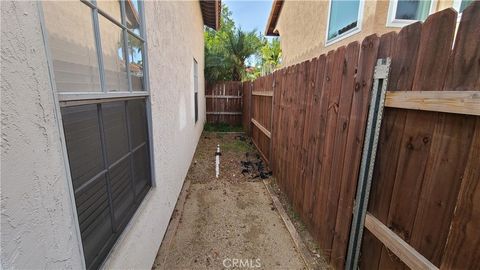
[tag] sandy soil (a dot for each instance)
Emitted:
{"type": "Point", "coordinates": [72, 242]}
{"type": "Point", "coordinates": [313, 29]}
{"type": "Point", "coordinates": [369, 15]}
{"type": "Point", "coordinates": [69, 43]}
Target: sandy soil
{"type": "Point", "coordinates": [228, 219]}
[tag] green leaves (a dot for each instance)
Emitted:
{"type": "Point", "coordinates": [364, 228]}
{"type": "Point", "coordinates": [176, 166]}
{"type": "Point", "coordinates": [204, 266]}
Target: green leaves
{"type": "Point", "coordinates": [227, 50]}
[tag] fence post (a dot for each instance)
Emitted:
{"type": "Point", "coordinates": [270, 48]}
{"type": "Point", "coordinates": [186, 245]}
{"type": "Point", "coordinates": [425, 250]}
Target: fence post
{"type": "Point", "coordinates": [250, 109]}
{"type": "Point", "coordinates": [368, 161]}
{"type": "Point", "coordinates": [271, 123]}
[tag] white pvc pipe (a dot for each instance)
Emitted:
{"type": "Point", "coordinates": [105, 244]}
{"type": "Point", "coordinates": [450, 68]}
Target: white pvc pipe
{"type": "Point", "coordinates": [217, 161]}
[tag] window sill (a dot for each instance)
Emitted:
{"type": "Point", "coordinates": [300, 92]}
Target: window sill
{"type": "Point", "coordinates": [343, 36]}
{"type": "Point", "coordinates": [67, 98]}
{"type": "Point", "coordinates": [400, 23]}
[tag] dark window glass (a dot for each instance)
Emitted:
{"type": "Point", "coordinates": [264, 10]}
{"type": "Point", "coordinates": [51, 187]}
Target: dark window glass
{"type": "Point", "coordinates": [115, 127]}
{"type": "Point", "coordinates": [138, 122]}
{"type": "Point", "coordinates": [110, 167]}
{"type": "Point", "coordinates": [195, 88]}
{"type": "Point", "coordinates": [82, 133]}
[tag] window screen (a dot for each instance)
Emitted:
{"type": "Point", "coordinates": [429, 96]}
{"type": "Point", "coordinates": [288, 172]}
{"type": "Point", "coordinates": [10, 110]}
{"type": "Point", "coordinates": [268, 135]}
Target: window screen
{"type": "Point", "coordinates": [97, 47]}
{"type": "Point", "coordinates": [108, 153]}
{"type": "Point", "coordinates": [412, 10]}
{"type": "Point", "coordinates": [74, 56]}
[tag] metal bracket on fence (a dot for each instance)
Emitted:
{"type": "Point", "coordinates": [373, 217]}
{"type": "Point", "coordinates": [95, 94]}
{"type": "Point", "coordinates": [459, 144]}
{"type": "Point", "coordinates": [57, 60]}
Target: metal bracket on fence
{"type": "Point", "coordinates": [372, 132]}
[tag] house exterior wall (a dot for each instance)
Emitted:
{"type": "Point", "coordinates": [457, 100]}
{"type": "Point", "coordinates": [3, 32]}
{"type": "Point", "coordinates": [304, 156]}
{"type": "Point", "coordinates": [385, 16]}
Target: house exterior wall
{"type": "Point", "coordinates": [38, 224]}
{"type": "Point", "coordinates": [303, 24]}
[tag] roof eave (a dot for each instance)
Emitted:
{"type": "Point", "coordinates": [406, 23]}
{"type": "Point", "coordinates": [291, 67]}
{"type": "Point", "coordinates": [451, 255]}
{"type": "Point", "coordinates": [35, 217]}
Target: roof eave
{"type": "Point", "coordinates": [273, 18]}
{"type": "Point", "coordinates": [211, 10]}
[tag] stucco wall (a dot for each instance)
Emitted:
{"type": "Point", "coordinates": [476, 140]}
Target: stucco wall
{"type": "Point", "coordinates": [39, 229]}
{"type": "Point", "coordinates": [37, 224]}
{"type": "Point", "coordinates": [175, 37]}
{"type": "Point", "coordinates": [302, 26]}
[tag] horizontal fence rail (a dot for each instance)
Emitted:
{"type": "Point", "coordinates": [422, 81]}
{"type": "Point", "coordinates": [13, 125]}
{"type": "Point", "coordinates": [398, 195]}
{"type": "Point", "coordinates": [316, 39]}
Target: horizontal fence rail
{"type": "Point", "coordinates": [309, 121]}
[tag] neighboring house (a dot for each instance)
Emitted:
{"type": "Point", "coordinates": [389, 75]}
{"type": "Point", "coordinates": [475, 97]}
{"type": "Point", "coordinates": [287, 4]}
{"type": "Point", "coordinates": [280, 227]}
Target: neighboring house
{"type": "Point", "coordinates": [310, 28]}
{"type": "Point", "coordinates": [94, 154]}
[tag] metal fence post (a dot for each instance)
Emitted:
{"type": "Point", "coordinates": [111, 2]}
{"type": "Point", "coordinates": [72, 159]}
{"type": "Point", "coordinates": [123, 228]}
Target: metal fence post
{"type": "Point", "coordinates": [368, 161]}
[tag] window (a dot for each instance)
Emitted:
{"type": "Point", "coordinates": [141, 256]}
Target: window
{"type": "Point", "coordinates": [97, 48]}
{"type": "Point", "coordinates": [97, 52]}
{"type": "Point", "coordinates": [195, 88]}
{"type": "Point", "coordinates": [404, 12]}
{"type": "Point", "coordinates": [107, 147]}
{"type": "Point", "coordinates": [460, 5]}
{"type": "Point", "coordinates": [344, 19]}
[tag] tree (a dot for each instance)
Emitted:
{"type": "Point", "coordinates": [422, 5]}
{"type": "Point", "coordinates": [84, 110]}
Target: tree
{"type": "Point", "coordinates": [271, 55]}
{"type": "Point", "coordinates": [227, 49]}
{"type": "Point", "coordinates": [239, 46]}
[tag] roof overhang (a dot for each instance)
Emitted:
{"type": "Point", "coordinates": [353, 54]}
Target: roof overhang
{"type": "Point", "coordinates": [273, 18]}
{"type": "Point", "coordinates": [211, 13]}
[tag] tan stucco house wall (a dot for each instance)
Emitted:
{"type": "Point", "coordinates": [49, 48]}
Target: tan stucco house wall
{"type": "Point", "coordinates": [302, 27]}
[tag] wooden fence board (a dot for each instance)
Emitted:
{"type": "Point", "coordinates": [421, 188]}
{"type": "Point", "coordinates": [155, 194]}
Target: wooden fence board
{"type": "Point", "coordinates": [307, 139]}
{"type": "Point", "coordinates": [463, 245]}
{"type": "Point", "coordinates": [460, 102]}
{"type": "Point", "coordinates": [463, 70]}
{"type": "Point", "coordinates": [353, 146]}
{"type": "Point", "coordinates": [316, 116]}
{"type": "Point", "coordinates": [311, 140]}
{"type": "Point", "coordinates": [223, 104]}
{"type": "Point", "coordinates": [324, 84]}
{"type": "Point", "coordinates": [446, 159]}
{"type": "Point", "coordinates": [324, 235]}
{"type": "Point", "coordinates": [302, 91]}
{"type": "Point", "coordinates": [371, 247]}
{"type": "Point", "coordinates": [343, 119]}
{"type": "Point", "coordinates": [404, 57]}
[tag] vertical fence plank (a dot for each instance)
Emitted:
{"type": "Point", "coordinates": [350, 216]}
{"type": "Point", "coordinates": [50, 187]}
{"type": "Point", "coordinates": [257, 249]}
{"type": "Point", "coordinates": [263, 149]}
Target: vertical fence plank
{"type": "Point", "coordinates": [309, 88]}
{"type": "Point", "coordinates": [463, 70]}
{"type": "Point", "coordinates": [326, 227]}
{"type": "Point", "coordinates": [446, 163]}
{"type": "Point", "coordinates": [371, 247]}
{"type": "Point", "coordinates": [463, 246]}
{"type": "Point", "coordinates": [353, 146]}
{"type": "Point", "coordinates": [303, 91]}
{"type": "Point", "coordinates": [318, 161]}
{"type": "Point", "coordinates": [419, 126]}
{"type": "Point", "coordinates": [311, 141]}
{"type": "Point", "coordinates": [338, 160]}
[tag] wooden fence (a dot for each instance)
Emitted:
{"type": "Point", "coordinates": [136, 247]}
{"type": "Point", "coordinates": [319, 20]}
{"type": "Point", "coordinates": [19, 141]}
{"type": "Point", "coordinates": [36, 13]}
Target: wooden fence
{"type": "Point", "coordinates": [224, 102]}
{"type": "Point", "coordinates": [424, 206]}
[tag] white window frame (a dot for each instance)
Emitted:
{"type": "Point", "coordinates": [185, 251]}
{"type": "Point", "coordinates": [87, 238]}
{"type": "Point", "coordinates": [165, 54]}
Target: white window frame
{"type": "Point", "coordinates": [392, 10]}
{"type": "Point", "coordinates": [456, 5]}
{"type": "Point", "coordinates": [350, 32]}
{"type": "Point", "coordinates": [98, 13]}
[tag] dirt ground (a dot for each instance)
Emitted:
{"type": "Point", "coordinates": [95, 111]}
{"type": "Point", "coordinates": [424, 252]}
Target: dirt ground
{"type": "Point", "coordinates": [229, 222]}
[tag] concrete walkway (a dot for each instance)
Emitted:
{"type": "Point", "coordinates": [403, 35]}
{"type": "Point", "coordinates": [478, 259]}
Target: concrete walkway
{"type": "Point", "coordinates": [229, 223]}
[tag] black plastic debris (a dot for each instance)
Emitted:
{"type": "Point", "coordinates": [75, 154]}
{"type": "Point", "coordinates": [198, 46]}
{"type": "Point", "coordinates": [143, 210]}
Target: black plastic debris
{"type": "Point", "coordinates": [254, 168]}
{"type": "Point", "coordinates": [241, 138]}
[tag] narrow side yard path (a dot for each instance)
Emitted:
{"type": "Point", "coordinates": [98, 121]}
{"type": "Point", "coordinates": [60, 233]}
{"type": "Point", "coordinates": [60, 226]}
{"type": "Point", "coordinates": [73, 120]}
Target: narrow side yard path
{"type": "Point", "coordinates": [229, 222]}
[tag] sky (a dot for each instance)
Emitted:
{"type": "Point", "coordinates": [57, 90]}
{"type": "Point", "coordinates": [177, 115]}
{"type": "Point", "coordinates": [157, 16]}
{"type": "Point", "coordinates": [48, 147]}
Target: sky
{"type": "Point", "coordinates": [250, 14]}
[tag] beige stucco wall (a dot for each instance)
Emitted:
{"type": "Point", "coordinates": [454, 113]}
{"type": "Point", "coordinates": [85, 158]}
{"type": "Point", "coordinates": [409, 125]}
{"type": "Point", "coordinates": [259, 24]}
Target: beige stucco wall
{"type": "Point", "coordinates": [38, 230]}
{"type": "Point", "coordinates": [303, 24]}
{"type": "Point", "coordinates": [38, 224]}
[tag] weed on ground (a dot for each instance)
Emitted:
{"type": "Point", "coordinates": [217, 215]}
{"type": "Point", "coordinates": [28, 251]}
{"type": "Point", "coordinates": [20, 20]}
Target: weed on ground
{"type": "Point", "coordinates": [222, 127]}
